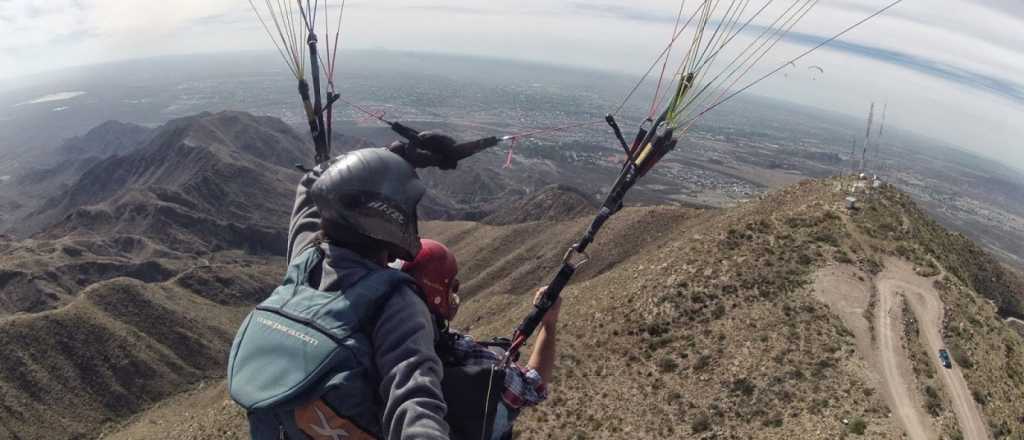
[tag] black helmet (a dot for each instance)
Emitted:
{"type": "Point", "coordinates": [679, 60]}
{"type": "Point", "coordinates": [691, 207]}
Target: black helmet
{"type": "Point", "coordinates": [373, 193]}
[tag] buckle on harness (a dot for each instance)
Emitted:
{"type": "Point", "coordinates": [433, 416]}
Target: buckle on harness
{"type": "Point", "coordinates": [571, 253]}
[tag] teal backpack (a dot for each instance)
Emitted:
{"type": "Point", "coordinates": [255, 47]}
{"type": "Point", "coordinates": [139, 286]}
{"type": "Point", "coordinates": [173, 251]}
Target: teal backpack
{"type": "Point", "coordinates": [307, 353]}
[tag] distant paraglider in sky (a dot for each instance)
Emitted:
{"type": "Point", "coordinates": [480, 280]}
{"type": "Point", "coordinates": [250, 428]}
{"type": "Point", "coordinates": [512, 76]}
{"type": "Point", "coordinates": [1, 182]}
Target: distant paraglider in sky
{"type": "Point", "coordinates": [816, 71]}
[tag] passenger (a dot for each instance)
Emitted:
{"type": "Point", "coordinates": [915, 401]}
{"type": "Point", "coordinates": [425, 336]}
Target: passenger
{"type": "Point", "coordinates": [435, 270]}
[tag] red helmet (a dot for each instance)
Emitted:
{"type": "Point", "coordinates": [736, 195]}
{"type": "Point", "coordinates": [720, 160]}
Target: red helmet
{"type": "Point", "coordinates": [434, 269]}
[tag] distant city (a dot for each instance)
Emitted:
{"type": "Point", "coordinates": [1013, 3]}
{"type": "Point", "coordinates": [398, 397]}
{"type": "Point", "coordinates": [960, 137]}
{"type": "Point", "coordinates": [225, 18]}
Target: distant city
{"type": "Point", "coordinates": [740, 150]}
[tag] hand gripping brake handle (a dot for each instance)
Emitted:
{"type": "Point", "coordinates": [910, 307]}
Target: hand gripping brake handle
{"type": "Point", "coordinates": [612, 204]}
{"type": "Point", "coordinates": [546, 301]}
{"type": "Point", "coordinates": [443, 156]}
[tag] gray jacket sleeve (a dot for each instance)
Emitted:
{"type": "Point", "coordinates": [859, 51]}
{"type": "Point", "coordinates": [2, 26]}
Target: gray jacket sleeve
{"type": "Point", "coordinates": [410, 370]}
{"type": "Point", "coordinates": [305, 222]}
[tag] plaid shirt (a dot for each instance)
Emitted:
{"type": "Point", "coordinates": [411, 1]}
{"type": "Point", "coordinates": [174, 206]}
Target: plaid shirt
{"type": "Point", "coordinates": [523, 386]}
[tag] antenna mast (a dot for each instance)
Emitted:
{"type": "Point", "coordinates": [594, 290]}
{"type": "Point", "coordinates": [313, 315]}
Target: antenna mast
{"type": "Point", "coordinates": [867, 136]}
{"type": "Point", "coordinates": [878, 138]}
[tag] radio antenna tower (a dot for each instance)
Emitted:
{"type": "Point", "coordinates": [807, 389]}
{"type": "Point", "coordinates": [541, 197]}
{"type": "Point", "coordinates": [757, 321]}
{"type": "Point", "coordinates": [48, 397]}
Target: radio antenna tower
{"type": "Point", "coordinates": [867, 136]}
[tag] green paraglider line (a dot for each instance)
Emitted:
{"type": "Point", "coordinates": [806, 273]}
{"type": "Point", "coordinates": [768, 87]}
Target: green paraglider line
{"type": "Point", "coordinates": [774, 33]}
{"type": "Point", "coordinates": [694, 66]}
{"type": "Point", "coordinates": [664, 64]}
{"type": "Point", "coordinates": [664, 52]}
{"type": "Point", "coordinates": [798, 58]}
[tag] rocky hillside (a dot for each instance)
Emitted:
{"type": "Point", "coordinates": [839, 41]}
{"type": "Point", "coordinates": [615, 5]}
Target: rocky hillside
{"type": "Point", "coordinates": [107, 139]}
{"type": "Point", "coordinates": [141, 270]}
{"type": "Point", "coordinates": [120, 346]}
{"type": "Point", "coordinates": [31, 182]}
{"type": "Point", "coordinates": [40, 275]}
{"type": "Point", "coordinates": [197, 188]}
{"type": "Point", "coordinates": [75, 155]}
{"type": "Point", "coordinates": [724, 324]}
{"type": "Point", "coordinates": [556, 202]}
{"type": "Point", "coordinates": [200, 184]}
{"type": "Point", "coordinates": [718, 332]}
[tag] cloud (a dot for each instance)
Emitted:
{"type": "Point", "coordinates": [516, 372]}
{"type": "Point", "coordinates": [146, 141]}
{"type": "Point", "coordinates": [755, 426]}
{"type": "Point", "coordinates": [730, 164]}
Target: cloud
{"type": "Point", "coordinates": [1011, 7]}
{"type": "Point", "coordinates": [73, 37]}
{"type": "Point", "coordinates": [623, 12]}
{"type": "Point", "coordinates": [949, 60]}
{"type": "Point", "coordinates": [956, 74]}
{"type": "Point", "coordinates": [115, 17]}
{"type": "Point", "coordinates": [220, 19]}
{"type": "Point", "coordinates": [1005, 88]}
{"type": "Point", "coordinates": [451, 9]}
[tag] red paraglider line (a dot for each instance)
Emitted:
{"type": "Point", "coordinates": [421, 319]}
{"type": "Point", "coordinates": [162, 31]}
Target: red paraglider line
{"type": "Point", "coordinates": [553, 129]}
{"type": "Point", "coordinates": [375, 115]}
{"type": "Point", "coordinates": [508, 160]}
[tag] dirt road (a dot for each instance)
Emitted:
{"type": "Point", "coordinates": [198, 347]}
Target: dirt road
{"type": "Point", "coordinates": [899, 278]}
{"type": "Point", "coordinates": [896, 370]}
{"type": "Point", "coordinates": [847, 295]}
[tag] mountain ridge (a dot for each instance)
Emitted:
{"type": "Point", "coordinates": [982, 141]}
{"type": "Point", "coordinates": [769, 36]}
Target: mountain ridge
{"type": "Point", "coordinates": [684, 323]}
{"type": "Point", "coordinates": [555, 202]}
{"type": "Point", "coordinates": [710, 327]}
{"type": "Point", "coordinates": [229, 171]}
{"type": "Point", "coordinates": [103, 352]}
{"type": "Point", "coordinates": [106, 139]}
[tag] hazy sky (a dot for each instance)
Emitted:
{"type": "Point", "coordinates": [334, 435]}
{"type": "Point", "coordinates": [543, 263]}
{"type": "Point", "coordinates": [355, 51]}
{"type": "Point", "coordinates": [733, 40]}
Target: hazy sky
{"type": "Point", "coordinates": [947, 68]}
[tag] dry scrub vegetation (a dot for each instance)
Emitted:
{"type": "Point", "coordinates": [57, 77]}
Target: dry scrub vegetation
{"type": "Point", "coordinates": [713, 335]}
{"type": "Point", "coordinates": [685, 324]}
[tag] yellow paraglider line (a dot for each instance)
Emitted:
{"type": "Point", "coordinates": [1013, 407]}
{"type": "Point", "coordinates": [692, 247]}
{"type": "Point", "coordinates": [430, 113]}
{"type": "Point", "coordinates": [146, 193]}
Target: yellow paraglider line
{"type": "Point", "coordinates": [696, 67]}
{"type": "Point", "coordinates": [774, 36]}
{"type": "Point", "coordinates": [664, 64]}
{"type": "Point", "coordinates": [664, 53]}
{"type": "Point", "coordinates": [853, 26]}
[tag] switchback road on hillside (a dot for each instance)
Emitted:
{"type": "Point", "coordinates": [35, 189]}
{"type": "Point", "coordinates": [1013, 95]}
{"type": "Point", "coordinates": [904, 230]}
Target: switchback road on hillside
{"type": "Point", "coordinates": [924, 300]}
{"type": "Point", "coordinates": [895, 369]}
